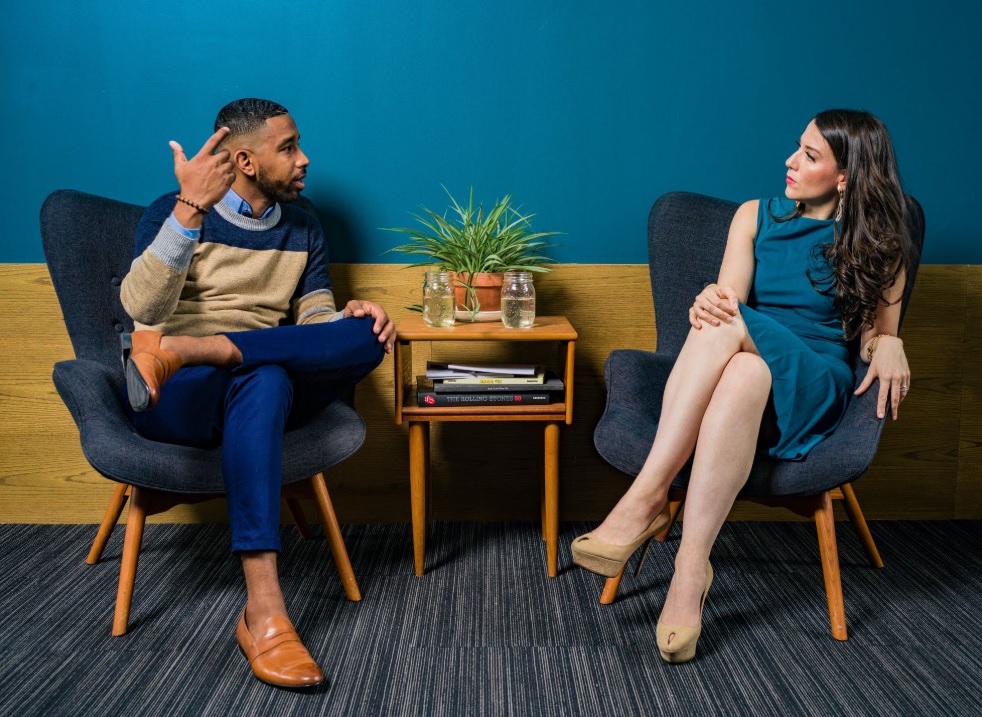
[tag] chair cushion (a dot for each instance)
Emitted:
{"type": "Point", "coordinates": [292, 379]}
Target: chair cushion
{"type": "Point", "coordinates": [117, 451]}
{"type": "Point", "coordinates": [624, 435]}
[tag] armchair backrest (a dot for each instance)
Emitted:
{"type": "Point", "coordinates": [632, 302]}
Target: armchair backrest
{"type": "Point", "coordinates": [88, 244]}
{"type": "Point", "coordinates": [686, 239]}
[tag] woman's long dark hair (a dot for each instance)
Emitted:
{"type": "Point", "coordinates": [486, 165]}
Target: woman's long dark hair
{"type": "Point", "coordinates": [872, 246]}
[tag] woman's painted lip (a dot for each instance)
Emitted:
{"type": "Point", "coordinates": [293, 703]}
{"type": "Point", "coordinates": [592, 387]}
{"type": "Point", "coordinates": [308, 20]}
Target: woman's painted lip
{"type": "Point", "coordinates": [789, 180]}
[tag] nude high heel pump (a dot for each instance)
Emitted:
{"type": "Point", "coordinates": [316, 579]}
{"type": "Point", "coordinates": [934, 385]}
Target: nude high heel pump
{"type": "Point", "coordinates": [602, 558]}
{"type": "Point", "coordinates": [684, 638]}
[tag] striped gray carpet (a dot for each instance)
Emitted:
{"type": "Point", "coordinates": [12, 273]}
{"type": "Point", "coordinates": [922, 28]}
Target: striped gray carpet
{"type": "Point", "coordinates": [485, 632]}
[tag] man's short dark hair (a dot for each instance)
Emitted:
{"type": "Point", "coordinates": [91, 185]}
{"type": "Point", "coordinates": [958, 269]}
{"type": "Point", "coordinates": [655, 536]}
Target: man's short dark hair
{"type": "Point", "coordinates": [247, 115]}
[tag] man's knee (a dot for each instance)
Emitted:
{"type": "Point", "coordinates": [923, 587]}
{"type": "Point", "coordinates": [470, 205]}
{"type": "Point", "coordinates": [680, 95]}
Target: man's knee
{"type": "Point", "coordinates": [364, 343]}
{"type": "Point", "coordinates": [268, 385]}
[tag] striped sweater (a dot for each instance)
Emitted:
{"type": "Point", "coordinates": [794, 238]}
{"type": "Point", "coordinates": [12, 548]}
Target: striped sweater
{"type": "Point", "coordinates": [242, 273]}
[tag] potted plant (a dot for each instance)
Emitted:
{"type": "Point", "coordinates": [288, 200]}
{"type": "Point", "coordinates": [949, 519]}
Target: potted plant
{"type": "Point", "coordinates": [478, 247]}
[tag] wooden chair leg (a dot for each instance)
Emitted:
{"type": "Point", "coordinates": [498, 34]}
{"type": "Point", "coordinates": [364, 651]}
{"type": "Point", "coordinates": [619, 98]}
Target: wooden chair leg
{"type": "Point", "coordinates": [135, 521]}
{"type": "Point", "coordinates": [610, 587]}
{"type": "Point", "coordinates": [858, 521]}
{"type": "Point", "coordinates": [825, 525]}
{"type": "Point", "coordinates": [296, 512]}
{"type": "Point", "coordinates": [109, 520]}
{"type": "Point", "coordinates": [609, 593]}
{"type": "Point", "coordinates": [333, 532]}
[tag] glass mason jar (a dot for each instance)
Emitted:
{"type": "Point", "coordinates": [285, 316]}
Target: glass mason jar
{"type": "Point", "coordinates": [517, 300]}
{"type": "Point", "coordinates": [438, 301]}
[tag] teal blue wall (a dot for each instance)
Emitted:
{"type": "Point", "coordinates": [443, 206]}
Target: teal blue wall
{"type": "Point", "coordinates": [586, 111]}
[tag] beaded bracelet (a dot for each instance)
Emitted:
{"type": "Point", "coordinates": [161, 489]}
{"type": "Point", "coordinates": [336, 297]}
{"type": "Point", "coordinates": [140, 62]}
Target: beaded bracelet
{"type": "Point", "coordinates": [872, 346]}
{"type": "Point", "coordinates": [195, 205]}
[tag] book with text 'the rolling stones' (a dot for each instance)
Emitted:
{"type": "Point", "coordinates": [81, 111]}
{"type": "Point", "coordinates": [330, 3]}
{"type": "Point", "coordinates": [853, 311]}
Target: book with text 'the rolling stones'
{"type": "Point", "coordinates": [488, 398]}
{"type": "Point", "coordinates": [551, 383]}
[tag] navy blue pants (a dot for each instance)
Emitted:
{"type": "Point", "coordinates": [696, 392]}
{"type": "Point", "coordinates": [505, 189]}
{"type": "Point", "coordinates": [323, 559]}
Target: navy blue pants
{"type": "Point", "coordinates": [288, 374]}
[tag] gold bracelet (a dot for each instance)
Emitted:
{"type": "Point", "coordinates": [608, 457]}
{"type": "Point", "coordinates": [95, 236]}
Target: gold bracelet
{"type": "Point", "coordinates": [195, 205]}
{"type": "Point", "coordinates": [872, 346]}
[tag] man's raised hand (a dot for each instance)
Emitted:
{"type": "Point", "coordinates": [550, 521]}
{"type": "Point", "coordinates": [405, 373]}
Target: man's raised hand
{"type": "Point", "coordinates": [207, 176]}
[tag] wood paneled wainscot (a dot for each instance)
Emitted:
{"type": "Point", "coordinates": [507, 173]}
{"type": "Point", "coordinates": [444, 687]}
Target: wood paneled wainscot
{"type": "Point", "coordinates": [929, 465]}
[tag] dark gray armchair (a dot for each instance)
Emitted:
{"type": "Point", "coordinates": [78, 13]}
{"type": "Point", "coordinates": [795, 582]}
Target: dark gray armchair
{"type": "Point", "coordinates": [88, 243]}
{"type": "Point", "coordinates": [686, 238]}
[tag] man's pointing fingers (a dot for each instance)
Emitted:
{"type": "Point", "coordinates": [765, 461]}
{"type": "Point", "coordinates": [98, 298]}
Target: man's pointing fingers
{"type": "Point", "coordinates": [211, 144]}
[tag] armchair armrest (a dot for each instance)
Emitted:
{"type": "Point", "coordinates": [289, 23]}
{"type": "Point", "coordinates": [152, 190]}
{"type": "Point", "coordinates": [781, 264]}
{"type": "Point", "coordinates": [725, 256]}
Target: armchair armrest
{"type": "Point", "coordinates": [636, 381]}
{"type": "Point", "coordinates": [852, 447]}
{"type": "Point", "coordinates": [635, 385]}
{"type": "Point", "coordinates": [89, 390]}
{"type": "Point", "coordinates": [840, 458]}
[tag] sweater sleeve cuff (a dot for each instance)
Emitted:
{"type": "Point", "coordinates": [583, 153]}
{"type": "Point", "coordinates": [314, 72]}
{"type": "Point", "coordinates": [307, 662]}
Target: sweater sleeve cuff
{"type": "Point", "coordinates": [172, 247]}
{"type": "Point", "coordinates": [183, 230]}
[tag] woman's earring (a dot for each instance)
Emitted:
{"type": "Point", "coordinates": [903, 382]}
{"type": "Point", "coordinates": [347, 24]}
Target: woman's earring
{"type": "Point", "coordinates": [838, 209]}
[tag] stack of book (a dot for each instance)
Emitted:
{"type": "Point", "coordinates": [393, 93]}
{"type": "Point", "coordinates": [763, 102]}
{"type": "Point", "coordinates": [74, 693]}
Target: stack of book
{"type": "Point", "coordinates": [487, 384]}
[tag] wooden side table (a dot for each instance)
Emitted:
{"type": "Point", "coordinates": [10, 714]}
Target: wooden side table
{"type": "Point", "coordinates": [546, 328]}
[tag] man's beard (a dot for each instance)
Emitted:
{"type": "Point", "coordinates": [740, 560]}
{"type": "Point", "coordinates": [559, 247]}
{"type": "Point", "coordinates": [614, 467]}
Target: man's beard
{"type": "Point", "coordinates": [275, 191]}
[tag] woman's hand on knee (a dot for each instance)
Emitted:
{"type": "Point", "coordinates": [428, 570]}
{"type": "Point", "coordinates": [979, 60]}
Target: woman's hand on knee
{"type": "Point", "coordinates": [713, 305]}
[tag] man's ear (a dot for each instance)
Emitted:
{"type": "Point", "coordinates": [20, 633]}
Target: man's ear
{"type": "Point", "coordinates": [242, 159]}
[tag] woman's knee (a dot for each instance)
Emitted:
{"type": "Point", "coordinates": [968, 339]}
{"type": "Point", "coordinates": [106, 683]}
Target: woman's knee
{"type": "Point", "coordinates": [728, 336]}
{"type": "Point", "coordinates": [749, 371]}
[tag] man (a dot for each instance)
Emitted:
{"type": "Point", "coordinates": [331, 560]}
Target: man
{"type": "Point", "coordinates": [234, 311]}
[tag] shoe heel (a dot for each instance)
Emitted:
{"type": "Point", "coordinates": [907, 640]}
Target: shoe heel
{"type": "Point", "coordinates": [126, 341]}
{"type": "Point", "coordinates": [137, 391]}
{"type": "Point", "coordinates": [644, 554]}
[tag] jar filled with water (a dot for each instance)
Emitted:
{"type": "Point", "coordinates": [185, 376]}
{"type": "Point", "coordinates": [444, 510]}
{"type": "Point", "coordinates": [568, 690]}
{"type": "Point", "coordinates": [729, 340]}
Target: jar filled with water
{"type": "Point", "coordinates": [517, 300]}
{"type": "Point", "coordinates": [438, 300]}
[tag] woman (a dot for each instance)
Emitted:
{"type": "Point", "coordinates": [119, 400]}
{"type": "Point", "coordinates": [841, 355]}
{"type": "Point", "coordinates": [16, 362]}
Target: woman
{"type": "Point", "coordinates": [801, 276]}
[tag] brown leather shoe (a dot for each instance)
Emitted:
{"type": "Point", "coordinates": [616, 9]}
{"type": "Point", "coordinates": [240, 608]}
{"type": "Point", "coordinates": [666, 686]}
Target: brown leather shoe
{"type": "Point", "coordinates": [147, 367]}
{"type": "Point", "coordinates": [278, 657]}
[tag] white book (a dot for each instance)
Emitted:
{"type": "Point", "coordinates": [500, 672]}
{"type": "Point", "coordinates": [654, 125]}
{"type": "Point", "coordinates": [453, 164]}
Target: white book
{"type": "Point", "coordinates": [462, 370]}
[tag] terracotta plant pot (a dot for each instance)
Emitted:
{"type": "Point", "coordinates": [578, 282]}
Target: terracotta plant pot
{"type": "Point", "coordinates": [488, 288]}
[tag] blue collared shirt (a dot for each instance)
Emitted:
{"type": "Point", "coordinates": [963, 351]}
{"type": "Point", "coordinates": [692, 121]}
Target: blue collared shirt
{"type": "Point", "coordinates": [241, 206]}
{"type": "Point", "coordinates": [231, 198]}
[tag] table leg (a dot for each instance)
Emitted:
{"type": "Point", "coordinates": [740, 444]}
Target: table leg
{"type": "Point", "coordinates": [551, 497]}
{"type": "Point", "coordinates": [542, 507]}
{"type": "Point", "coordinates": [418, 438]}
{"type": "Point", "coordinates": [427, 474]}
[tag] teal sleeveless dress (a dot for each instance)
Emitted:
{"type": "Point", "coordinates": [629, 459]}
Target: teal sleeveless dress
{"type": "Point", "coordinates": [797, 329]}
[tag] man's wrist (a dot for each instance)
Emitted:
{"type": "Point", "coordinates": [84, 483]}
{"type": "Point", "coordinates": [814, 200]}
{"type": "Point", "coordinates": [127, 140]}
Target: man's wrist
{"type": "Point", "coordinates": [188, 216]}
{"type": "Point", "coordinates": [194, 234]}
